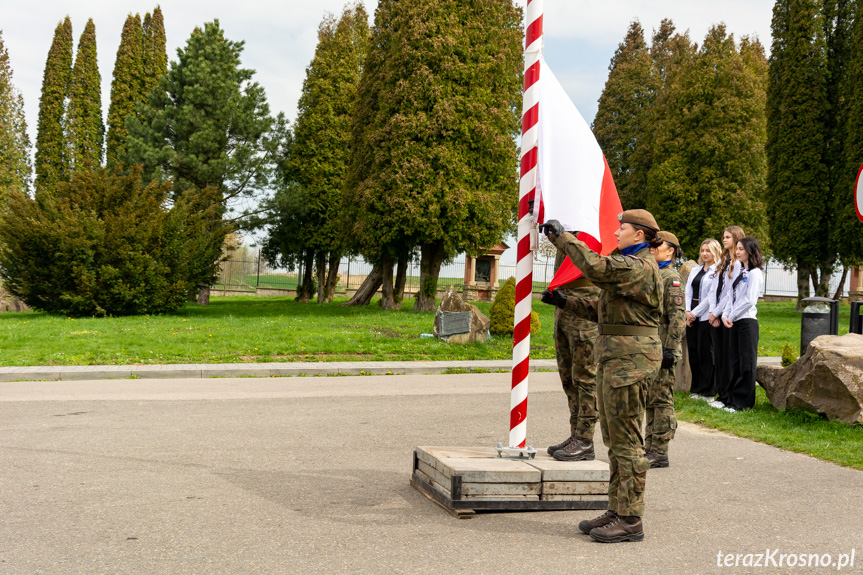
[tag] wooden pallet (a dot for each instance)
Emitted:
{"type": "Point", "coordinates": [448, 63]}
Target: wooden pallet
{"type": "Point", "coordinates": [464, 480]}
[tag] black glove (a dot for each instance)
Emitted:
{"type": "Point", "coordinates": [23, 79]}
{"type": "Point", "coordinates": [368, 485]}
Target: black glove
{"type": "Point", "coordinates": [530, 206]}
{"type": "Point", "coordinates": [553, 297]}
{"type": "Point", "coordinates": [552, 230]}
{"type": "Point", "coordinates": [667, 358]}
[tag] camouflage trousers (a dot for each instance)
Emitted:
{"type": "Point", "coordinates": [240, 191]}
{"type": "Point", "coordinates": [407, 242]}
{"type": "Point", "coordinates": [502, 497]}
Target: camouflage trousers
{"type": "Point", "coordinates": [661, 421]}
{"type": "Point", "coordinates": [621, 396]}
{"type": "Point", "coordinates": [573, 345]}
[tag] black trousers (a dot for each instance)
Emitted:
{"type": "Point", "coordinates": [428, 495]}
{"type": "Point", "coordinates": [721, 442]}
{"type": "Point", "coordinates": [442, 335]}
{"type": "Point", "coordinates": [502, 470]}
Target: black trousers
{"type": "Point", "coordinates": [700, 341]}
{"type": "Point", "coordinates": [744, 358]}
{"type": "Point", "coordinates": [722, 363]}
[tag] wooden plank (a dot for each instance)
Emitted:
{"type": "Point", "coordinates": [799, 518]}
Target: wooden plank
{"type": "Point", "coordinates": [496, 470]}
{"type": "Point", "coordinates": [553, 470]}
{"type": "Point", "coordinates": [574, 487]}
{"type": "Point", "coordinates": [586, 497]}
{"type": "Point", "coordinates": [433, 497]}
{"type": "Point", "coordinates": [468, 489]}
{"type": "Point", "coordinates": [501, 498]}
{"type": "Point", "coordinates": [437, 480]}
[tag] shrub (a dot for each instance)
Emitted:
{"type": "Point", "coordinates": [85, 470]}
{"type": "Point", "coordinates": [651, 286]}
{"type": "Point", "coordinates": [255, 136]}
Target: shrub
{"type": "Point", "coordinates": [103, 244]}
{"type": "Point", "coordinates": [502, 311]}
{"type": "Point", "coordinates": [788, 356]}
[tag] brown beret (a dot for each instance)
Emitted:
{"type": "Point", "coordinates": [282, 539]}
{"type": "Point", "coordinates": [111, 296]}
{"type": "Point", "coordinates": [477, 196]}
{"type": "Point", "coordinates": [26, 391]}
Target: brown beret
{"type": "Point", "coordinates": [639, 218]}
{"type": "Point", "coordinates": [668, 237]}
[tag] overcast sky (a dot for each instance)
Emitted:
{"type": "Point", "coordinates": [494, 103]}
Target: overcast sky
{"type": "Point", "coordinates": [280, 37]}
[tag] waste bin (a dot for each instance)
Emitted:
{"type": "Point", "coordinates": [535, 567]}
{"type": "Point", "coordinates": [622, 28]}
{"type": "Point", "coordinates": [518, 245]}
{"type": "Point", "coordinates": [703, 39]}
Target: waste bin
{"type": "Point", "coordinates": [820, 317]}
{"type": "Point", "coordinates": [856, 317]}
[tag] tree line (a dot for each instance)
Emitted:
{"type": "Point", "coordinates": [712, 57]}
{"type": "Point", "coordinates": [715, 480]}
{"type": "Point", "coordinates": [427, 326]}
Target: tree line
{"type": "Point", "coordinates": [718, 134]}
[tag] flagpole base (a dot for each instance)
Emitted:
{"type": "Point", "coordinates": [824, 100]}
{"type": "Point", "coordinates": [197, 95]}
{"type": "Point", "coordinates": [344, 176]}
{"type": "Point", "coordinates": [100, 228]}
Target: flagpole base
{"type": "Point", "coordinates": [515, 452]}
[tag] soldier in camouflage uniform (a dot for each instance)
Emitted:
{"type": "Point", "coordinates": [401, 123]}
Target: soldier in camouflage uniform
{"type": "Point", "coordinates": [661, 421]}
{"type": "Point", "coordinates": [574, 334]}
{"type": "Point", "coordinates": [629, 353]}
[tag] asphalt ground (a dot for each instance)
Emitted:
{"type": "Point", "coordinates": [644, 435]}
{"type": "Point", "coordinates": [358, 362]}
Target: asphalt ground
{"type": "Point", "coordinates": [311, 475]}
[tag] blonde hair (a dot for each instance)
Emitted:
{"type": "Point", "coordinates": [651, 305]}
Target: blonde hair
{"type": "Point", "coordinates": [728, 256]}
{"type": "Point", "coordinates": [714, 247]}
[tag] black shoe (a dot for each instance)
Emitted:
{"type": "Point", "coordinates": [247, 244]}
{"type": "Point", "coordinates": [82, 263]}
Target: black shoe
{"type": "Point", "coordinates": [566, 442]}
{"type": "Point", "coordinates": [578, 450]}
{"type": "Point", "coordinates": [619, 530]}
{"type": "Point", "coordinates": [657, 459]}
{"type": "Point", "coordinates": [588, 525]}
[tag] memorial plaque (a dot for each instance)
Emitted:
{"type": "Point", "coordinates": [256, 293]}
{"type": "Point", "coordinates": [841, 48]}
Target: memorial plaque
{"type": "Point", "coordinates": [454, 322]}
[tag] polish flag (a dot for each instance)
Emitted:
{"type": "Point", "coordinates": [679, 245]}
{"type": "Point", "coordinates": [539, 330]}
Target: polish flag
{"type": "Point", "coordinates": [574, 184]}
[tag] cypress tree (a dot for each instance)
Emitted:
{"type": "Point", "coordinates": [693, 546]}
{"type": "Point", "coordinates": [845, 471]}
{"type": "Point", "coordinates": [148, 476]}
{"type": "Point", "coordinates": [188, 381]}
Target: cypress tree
{"type": "Point", "coordinates": [709, 165]}
{"type": "Point", "coordinates": [14, 142]}
{"type": "Point", "coordinates": [847, 230]}
{"type": "Point", "coordinates": [622, 118]}
{"type": "Point", "coordinates": [322, 139]}
{"type": "Point", "coordinates": [155, 55]}
{"type": "Point", "coordinates": [86, 130]}
{"type": "Point", "coordinates": [435, 123]}
{"type": "Point", "coordinates": [797, 181]}
{"type": "Point", "coordinates": [52, 154]}
{"type": "Point", "coordinates": [126, 87]}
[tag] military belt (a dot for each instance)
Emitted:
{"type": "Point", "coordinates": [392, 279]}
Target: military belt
{"type": "Point", "coordinates": [623, 329]}
{"type": "Point", "coordinates": [576, 283]}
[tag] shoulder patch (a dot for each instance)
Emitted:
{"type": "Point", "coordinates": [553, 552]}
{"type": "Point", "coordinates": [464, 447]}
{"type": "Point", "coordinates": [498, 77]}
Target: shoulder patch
{"type": "Point", "coordinates": [675, 283]}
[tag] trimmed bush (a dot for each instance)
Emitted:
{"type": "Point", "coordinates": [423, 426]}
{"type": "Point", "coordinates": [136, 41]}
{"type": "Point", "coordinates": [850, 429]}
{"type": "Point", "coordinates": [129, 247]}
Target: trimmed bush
{"type": "Point", "coordinates": [788, 356]}
{"type": "Point", "coordinates": [502, 311]}
{"type": "Point", "coordinates": [103, 244]}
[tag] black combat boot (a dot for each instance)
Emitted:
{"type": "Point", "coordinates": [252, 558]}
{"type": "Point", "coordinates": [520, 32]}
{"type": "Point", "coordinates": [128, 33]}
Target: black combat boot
{"type": "Point", "coordinates": [657, 459]}
{"type": "Point", "coordinates": [619, 530]}
{"type": "Point", "coordinates": [561, 445]}
{"type": "Point", "coordinates": [604, 519]}
{"type": "Point", "coordinates": [578, 450]}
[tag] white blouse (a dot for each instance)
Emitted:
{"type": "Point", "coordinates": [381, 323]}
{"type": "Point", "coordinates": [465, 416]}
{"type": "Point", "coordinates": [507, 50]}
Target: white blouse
{"type": "Point", "coordinates": [742, 301]}
{"type": "Point", "coordinates": [703, 291]}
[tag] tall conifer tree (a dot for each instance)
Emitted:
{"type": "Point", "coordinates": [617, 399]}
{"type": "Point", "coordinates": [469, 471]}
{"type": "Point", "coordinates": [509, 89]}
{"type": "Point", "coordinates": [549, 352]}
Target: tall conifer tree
{"type": "Point", "coordinates": [709, 165]}
{"type": "Point", "coordinates": [847, 230]}
{"type": "Point", "coordinates": [322, 143]}
{"type": "Point", "coordinates": [155, 55]}
{"type": "Point", "coordinates": [126, 87]}
{"type": "Point", "coordinates": [798, 189]}
{"type": "Point", "coordinates": [14, 142]}
{"type": "Point", "coordinates": [52, 153]}
{"type": "Point", "coordinates": [622, 118]}
{"type": "Point", "coordinates": [434, 152]}
{"type": "Point", "coordinates": [86, 131]}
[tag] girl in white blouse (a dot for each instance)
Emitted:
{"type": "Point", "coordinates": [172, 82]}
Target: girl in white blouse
{"type": "Point", "coordinates": [740, 316]}
{"type": "Point", "coordinates": [727, 270]}
{"type": "Point", "coordinates": [700, 335]}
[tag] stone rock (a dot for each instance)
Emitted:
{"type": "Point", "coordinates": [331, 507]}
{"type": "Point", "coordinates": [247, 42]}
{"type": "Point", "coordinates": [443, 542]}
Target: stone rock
{"type": "Point", "coordinates": [8, 302]}
{"type": "Point", "coordinates": [476, 328]}
{"type": "Point", "coordinates": [827, 379]}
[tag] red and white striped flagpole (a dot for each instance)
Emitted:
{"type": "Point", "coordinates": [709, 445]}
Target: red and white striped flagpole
{"type": "Point", "coordinates": [527, 188]}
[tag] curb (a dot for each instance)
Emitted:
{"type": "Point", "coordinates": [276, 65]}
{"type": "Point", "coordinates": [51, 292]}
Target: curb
{"type": "Point", "coordinates": [320, 368]}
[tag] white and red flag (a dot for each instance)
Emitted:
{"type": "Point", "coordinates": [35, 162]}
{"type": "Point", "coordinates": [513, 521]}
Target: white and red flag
{"type": "Point", "coordinates": [574, 184]}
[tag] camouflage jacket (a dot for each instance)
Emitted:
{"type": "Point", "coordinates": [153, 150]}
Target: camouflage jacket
{"type": "Point", "coordinates": [632, 294]}
{"type": "Point", "coordinates": [673, 320]}
{"type": "Point", "coordinates": [582, 300]}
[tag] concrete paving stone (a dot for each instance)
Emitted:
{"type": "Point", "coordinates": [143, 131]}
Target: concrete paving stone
{"type": "Point", "coordinates": [554, 470]}
{"type": "Point", "coordinates": [574, 487]}
{"type": "Point", "coordinates": [95, 374]}
{"type": "Point", "coordinates": [167, 373]}
{"type": "Point", "coordinates": [436, 478]}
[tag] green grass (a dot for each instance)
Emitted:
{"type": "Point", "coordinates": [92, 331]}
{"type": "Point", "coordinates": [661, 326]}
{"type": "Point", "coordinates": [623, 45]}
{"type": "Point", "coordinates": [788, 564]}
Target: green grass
{"type": "Point", "coordinates": [247, 329]}
{"type": "Point", "coordinates": [780, 324]}
{"type": "Point", "coordinates": [797, 431]}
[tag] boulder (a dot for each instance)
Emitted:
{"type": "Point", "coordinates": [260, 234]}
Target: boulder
{"type": "Point", "coordinates": [827, 379]}
{"type": "Point", "coordinates": [8, 302]}
{"type": "Point", "coordinates": [459, 322]}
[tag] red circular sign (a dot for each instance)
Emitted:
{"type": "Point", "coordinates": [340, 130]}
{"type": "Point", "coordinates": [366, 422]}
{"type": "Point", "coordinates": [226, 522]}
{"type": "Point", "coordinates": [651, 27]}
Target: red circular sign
{"type": "Point", "coordinates": [858, 195]}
